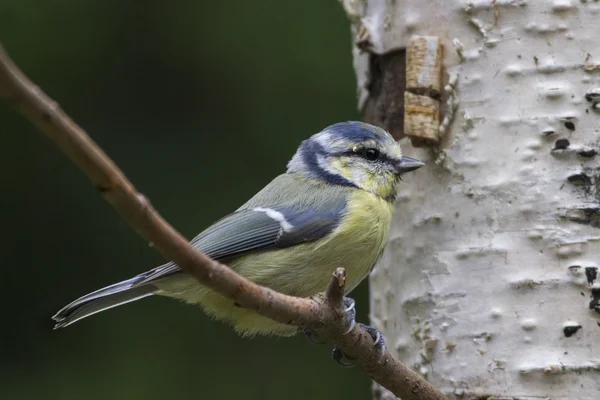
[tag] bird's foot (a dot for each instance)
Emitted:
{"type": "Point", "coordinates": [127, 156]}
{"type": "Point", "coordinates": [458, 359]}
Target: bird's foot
{"type": "Point", "coordinates": [338, 355]}
{"type": "Point", "coordinates": [349, 310]}
{"type": "Point", "coordinates": [378, 342]}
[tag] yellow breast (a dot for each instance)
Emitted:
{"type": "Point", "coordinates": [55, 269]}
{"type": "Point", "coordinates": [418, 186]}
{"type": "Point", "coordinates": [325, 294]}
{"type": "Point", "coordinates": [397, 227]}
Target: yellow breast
{"type": "Point", "coordinates": [305, 270]}
{"type": "Point", "coordinates": [362, 236]}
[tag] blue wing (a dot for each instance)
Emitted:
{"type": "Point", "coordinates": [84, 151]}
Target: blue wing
{"type": "Point", "coordinates": [260, 227]}
{"type": "Point", "coordinates": [264, 228]}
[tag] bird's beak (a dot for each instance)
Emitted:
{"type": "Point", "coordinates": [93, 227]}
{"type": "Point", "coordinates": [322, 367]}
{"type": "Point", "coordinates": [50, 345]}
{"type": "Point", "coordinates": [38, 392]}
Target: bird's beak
{"type": "Point", "coordinates": [407, 164]}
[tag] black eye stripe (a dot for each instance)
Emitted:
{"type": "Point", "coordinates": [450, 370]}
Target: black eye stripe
{"type": "Point", "coordinates": [360, 152]}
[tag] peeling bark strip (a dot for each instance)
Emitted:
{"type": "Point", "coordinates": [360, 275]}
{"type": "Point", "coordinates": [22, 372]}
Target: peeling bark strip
{"type": "Point", "coordinates": [496, 242]}
{"type": "Point", "coordinates": [424, 66]}
{"type": "Point", "coordinates": [421, 120]}
{"type": "Point", "coordinates": [423, 90]}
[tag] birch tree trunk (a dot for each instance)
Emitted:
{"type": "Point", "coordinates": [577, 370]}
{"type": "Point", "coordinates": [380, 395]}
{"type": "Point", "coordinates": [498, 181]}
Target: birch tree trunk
{"type": "Point", "coordinates": [488, 286]}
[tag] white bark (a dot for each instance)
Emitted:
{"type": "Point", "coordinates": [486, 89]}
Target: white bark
{"type": "Point", "coordinates": [488, 284]}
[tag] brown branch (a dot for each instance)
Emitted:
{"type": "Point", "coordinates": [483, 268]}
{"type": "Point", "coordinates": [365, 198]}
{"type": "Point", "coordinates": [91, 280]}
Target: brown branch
{"type": "Point", "coordinates": [325, 317]}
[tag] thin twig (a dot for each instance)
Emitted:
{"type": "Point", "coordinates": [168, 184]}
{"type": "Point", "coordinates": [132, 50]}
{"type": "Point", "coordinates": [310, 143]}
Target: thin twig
{"type": "Point", "coordinates": [326, 318]}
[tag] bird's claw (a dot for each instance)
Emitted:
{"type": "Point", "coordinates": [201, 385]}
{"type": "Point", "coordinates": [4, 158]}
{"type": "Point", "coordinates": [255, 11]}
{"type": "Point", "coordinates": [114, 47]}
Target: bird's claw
{"type": "Point", "coordinates": [350, 311]}
{"type": "Point", "coordinates": [313, 338]}
{"type": "Point", "coordinates": [337, 354]}
{"type": "Point", "coordinates": [342, 359]}
{"type": "Point", "coordinates": [378, 342]}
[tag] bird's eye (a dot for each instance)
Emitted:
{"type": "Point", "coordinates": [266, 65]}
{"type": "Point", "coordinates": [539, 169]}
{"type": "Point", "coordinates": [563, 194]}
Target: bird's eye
{"type": "Point", "coordinates": [371, 154]}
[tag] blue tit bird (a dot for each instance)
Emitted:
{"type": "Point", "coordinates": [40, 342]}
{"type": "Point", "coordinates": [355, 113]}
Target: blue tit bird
{"type": "Point", "coordinates": [332, 208]}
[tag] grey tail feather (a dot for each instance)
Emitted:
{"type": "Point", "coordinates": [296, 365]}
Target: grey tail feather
{"type": "Point", "coordinates": [103, 299]}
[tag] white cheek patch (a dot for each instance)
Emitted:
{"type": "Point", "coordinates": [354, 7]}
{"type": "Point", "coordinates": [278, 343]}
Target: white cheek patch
{"type": "Point", "coordinates": [276, 216]}
{"type": "Point", "coordinates": [325, 166]}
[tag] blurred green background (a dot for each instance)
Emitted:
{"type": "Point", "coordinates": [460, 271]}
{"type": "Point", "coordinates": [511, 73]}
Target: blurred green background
{"type": "Point", "coordinates": [201, 103]}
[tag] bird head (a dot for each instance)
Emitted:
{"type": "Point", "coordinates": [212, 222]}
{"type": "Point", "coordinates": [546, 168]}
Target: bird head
{"type": "Point", "coordinates": [354, 154]}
